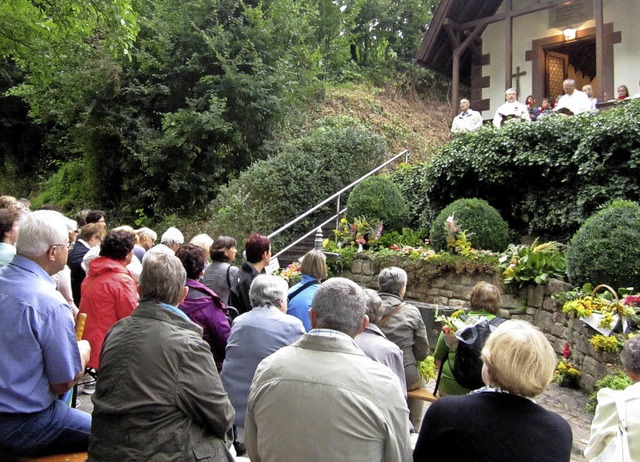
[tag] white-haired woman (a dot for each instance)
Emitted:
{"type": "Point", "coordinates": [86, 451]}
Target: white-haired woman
{"type": "Point", "coordinates": [500, 422]}
{"type": "Point", "coordinates": [605, 423]}
{"type": "Point", "coordinates": [402, 323]}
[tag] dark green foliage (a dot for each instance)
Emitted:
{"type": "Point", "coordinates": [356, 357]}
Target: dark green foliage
{"type": "Point", "coordinates": [378, 198]}
{"type": "Point", "coordinates": [274, 191]}
{"type": "Point", "coordinates": [485, 227]}
{"type": "Point", "coordinates": [606, 248]}
{"type": "Point", "coordinates": [407, 237]}
{"type": "Point", "coordinates": [545, 178]}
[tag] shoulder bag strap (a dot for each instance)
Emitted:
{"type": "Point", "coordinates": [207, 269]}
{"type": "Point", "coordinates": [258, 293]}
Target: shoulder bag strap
{"type": "Point", "coordinates": [384, 320]}
{"type": "Point", "coordinates": [301, 288]}
{"type": "Point", "coordinates": [228, 280]}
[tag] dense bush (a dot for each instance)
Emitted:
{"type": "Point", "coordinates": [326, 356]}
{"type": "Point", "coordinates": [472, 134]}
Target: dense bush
{"type": "Point", "coordinates": [378, 198]}
{"type": "Point", "coordinates": [545, 178]}
{"type": "Point", "coordinates": [606, 248]}
{"type": "Point", "coordinates": [274, 191]}
{"type": "Point", "coordinates": [484, 226]}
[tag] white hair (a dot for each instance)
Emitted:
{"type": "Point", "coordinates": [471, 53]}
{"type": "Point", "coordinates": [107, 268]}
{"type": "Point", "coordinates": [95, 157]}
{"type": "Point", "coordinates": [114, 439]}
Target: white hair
{"type": "Point", "coordinates": [267, 290]}
{"type": "Point", "coordinates": [172, 236]}
{"type": "Point", "coordinates": [39, 231]}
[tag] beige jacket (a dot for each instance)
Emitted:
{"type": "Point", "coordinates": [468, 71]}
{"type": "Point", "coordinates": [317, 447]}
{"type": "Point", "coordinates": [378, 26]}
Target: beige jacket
{"type": "Point", "coordinates": [407, 330]}
{"type": "Point", "coordinates": [321, 399]}
{"type": "Point", "coordinates": [605, 422]}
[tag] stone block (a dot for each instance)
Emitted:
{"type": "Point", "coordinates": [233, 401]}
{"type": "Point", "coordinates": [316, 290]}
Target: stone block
{"type": "Point", "coordinates": [530, 310]}
{"type": "Point", "coordinates": [433, 292]}
{"type": "Point", "coordinates": [558, 330]}
{"type": "Point", "coordinates": [356, 266]}
{"type": "Point", "coordinates": [457, 304]}
{"type": "Point", "coordinates": [543, 320]}
{"type": "Point", "coordinates": [462, 291]}
{"type": "Point", "coordinates": [466, 280]}
{"type": "Point", "coordinates": [509, 301]}
{"type": "Point", "coordinates": [555, 286]}
{"type": "Point", "coordinates": [535, 296]}
{"type": "Point", "coordinates": [367, 267]}
{"type": "Point", "coordinates": [438, 283]}
{"type": "Point", "coordinates": [446, 293]}
{"type": "Point", "coordinates": [439, 301]}
{"type": "Point", "coordinates": [550, 304]}
{"type": "Point", "coordinates": [507, 314]}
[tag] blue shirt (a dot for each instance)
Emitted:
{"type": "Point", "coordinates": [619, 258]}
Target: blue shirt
{"type": "Point", "coordinates": [299, 306]}
{"type": "Point", "coordinates": [37, 340]}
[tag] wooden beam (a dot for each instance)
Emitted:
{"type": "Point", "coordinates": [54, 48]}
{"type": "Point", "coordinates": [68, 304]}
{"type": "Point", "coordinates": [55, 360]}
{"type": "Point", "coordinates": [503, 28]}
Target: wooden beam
{"type": "Point", "coordinates": [482, 22]}
{"type": "Point", "coordinates": [605, 91]}
{"type": "Point", "coordinates": [508, 45]}
{"type": "Point", "coordinates": [458, 49]}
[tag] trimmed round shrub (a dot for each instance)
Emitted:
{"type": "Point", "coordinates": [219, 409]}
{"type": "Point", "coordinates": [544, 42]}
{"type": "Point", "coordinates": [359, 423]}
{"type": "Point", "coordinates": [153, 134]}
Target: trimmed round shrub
{"type": "Point", "coordinates": [484, 226]}
{"type": "Point", "coordinates": [606, 248]}
{"type": "Point", "coordinates": [378, 198]}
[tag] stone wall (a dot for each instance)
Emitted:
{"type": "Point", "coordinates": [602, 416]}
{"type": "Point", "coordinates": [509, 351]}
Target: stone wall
{"type": "Point", "coordinates": [535, 305]}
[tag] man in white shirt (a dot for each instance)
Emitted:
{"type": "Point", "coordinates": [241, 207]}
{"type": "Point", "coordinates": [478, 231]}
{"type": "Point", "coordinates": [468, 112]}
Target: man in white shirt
{"type": "Point", "coordinates": [511, 110]}
{"type": "Point", "coordinates": [573, 101]}
{"type": "Point", "coordinates": [468, 120]}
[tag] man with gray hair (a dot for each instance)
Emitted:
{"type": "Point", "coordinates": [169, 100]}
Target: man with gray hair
{"type": "Point", "coordinates": [322, 398]}
{"type": "Point", "coordinates": [40, 355]}
{"type": "Point", "coordinates": [468, 120]}
{"type": "Point", "coordinates": [170, 242]}
{"type": "Point", "coordinates": [573, 101]}
{"type": "Point", "coordinates": [159, 395]}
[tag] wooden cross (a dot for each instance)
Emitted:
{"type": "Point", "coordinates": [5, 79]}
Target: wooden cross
{"type": "Point", "coordinates": [517, 76]}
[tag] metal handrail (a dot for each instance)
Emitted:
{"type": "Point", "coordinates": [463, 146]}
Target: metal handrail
{"type": "Point", "coordinates": [404, 152]}
{"type": "Point", "coordinates": [294, 243]}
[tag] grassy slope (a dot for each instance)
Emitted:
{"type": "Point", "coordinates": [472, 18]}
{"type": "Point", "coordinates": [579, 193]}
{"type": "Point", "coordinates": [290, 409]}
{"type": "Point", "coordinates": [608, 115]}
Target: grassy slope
{"type": "Point", "coordinates": [406, 122]}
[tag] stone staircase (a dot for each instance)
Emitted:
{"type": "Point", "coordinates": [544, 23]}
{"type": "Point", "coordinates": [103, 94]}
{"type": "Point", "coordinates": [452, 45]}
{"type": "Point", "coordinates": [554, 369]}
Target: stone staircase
{"type": "Point", "coordinates": [304, 246]}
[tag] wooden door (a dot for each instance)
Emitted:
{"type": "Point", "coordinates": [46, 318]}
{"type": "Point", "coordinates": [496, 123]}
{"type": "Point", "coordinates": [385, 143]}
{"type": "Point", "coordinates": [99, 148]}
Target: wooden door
{"type": "Point", "coordinates": [557, 65]}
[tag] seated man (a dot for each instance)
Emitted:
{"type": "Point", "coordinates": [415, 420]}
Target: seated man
{"type": "Point", "coordinates": [321, 399]}
{"type": "Point", "coordinates": [468, 120]}
{"type": "Point", "coordinates": [40, 356]}
{"type": "Point", "coordinates": [511, 110]}
{"type": "Point", "coordinates": [158, 394]}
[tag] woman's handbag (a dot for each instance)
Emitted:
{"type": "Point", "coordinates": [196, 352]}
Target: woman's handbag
{"type": "Point", "coordinates": [617, 449]}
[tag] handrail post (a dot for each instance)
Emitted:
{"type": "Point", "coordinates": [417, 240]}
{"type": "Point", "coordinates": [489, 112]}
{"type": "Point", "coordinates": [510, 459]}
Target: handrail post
{"type": "Point", "coordinates": [317, 243]}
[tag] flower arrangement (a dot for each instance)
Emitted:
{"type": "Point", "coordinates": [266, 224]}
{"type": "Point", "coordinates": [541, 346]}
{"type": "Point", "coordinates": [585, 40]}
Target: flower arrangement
{"type": "Point", "coordinates": [451, 324]}
{"type": "Point", "coordinates": [458, 240]}
{"type": "Point", "coordinates": [566, 374]}
{"type": "Point", "coordinates": [535, 263]}
{"type": "Point", "coordinates": [608, 308]}
{"type": "Point", "coordinates": [291, 273]}
{"type": "Point", "coordinates": [358, 233]}
{"type": "Point", "coordinates": [601, 343]}
{"type": "Point", "coordinates": [415, 253]}
{"type": "Point", "coordinates": [427, 368]}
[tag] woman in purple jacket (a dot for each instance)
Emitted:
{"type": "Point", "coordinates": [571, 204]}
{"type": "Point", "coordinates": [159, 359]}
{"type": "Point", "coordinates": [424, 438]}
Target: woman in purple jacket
{"type": "Point", "coordinates": [202, 305]}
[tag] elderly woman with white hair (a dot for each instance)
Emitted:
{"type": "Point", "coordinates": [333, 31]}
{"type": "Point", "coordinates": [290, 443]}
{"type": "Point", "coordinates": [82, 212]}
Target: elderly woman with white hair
{"type": "Point", "coordinates": [254, 336]}
{"type": "Point", "coordinates": [402, 323]}
{"type": "Point", "coordinates": [500, 422]}
{"type": "Point", "coordinates": [606, 422]}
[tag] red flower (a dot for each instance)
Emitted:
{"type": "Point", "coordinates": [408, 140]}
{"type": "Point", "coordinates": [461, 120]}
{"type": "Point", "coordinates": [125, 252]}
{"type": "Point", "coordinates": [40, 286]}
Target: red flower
{"type": "Point", "coordinates": [566, 351]}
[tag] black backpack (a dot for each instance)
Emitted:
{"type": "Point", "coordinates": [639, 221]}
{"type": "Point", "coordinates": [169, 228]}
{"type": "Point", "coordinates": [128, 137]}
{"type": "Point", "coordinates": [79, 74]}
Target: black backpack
{"type": "Point", "coordinates": [467, 368]}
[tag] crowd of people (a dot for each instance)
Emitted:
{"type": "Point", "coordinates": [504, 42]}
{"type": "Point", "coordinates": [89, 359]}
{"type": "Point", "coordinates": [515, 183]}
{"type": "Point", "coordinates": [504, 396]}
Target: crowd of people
{"type": "Point", "coordinates": [572, 102]}
{"type": "Point", "coordinates": [190, 355]}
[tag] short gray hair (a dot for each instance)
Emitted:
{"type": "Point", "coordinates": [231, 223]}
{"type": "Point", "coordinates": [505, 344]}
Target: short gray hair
{"type": "Point", "coordinates": [162, 278]}
{"type": "Point", "coordinates": [268, 290]}
{"type": "Point", "coordinates": [339, 304]}
{"type": "Point", "coordinates": [172, 236]}
{"type": "Point", "coordinates": [392, 280]}
{"type": "Point", "coordinates": [40, 230]}
{"type": "Point", "coordinates": [375, 309]}
{"type": "Point", "coordinates": [630, 355]}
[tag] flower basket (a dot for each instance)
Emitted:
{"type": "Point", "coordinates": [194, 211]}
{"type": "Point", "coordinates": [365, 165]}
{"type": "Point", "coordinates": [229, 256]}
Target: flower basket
{"type": "Point", "coordinates": [605, 322]}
